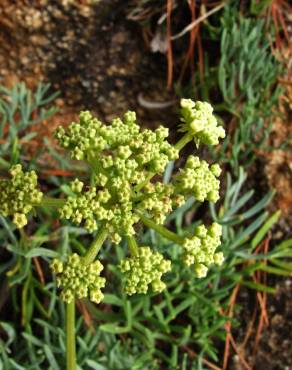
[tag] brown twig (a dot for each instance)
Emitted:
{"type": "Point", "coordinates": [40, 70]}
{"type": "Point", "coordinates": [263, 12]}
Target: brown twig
{"type": "Point", "coordinates": [197, 21]}
{"type": "Point", "coordinates": [264, 316]}
{"type": "Point", "coordinates": [241, 358]}
{"type": "Point", "coordinates": [228, 326]}
{"type": "Point", "coordinates": [86, 315]}
{"type": "Point", "coordinates": [169, 45]}
{"type": "Point", "coordinates": [201, 57]}
{"type": "Point", "coordinates": [39, 270]}
{"type": "Point", "coordinates": [250, 327]}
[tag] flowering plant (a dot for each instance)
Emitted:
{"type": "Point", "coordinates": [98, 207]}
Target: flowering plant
{"type": "Point", "coordinates": [125, 189]}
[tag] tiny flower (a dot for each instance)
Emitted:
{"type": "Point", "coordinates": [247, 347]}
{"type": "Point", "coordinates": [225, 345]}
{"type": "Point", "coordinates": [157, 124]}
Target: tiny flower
{"type": "Point", "coordinates": [200, 123]}
{"type": "Point", "coordinates": [78, 280]}
{"type": "Point", "coordinates": [198, 180]}
{"type": "Point", "coordinates": [19, 194]}
{"type": "Point", "coordinates": [144, 269]}
{"type": "Point", "coordinates": [199, 250]}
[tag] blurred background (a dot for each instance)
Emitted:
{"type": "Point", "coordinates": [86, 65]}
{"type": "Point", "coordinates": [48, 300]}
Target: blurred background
{"type": "Point", "coordinates": [60, 57]}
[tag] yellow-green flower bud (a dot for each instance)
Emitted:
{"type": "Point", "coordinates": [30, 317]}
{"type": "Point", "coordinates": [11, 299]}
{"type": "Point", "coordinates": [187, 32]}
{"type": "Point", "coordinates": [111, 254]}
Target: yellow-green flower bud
{"type": "Point", "coordinates": [197, 180]}
{"type": "Point", "coordinates": [19, 194]}
{"type": "Point", "coordinates": [144, 269]}
{"type": "Point", "coordinates": [79, 280]}
{"type": "Point", "coordinates": [200, 123]}
{"type": "Point", "coordinates": [20, 220]}
{"type": "Point", "coordinates": [76, 186]}
{"type": "Point", "coordinates": [200, 249]}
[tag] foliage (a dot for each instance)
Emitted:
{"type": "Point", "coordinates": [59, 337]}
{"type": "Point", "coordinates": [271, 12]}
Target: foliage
{"type": "Point", "coordinates": [243, 81]}
{"type": "Point", "coordinates": [21, 109]}
{"type": "Point", "coordinates": [247, 77]}
{"type": "Point", "coordinates": [135, 332]}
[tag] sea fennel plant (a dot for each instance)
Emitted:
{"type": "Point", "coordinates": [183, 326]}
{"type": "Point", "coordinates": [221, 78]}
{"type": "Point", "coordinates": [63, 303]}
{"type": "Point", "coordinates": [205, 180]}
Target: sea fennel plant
{"type": "Point", "coordinates": [125, 189]}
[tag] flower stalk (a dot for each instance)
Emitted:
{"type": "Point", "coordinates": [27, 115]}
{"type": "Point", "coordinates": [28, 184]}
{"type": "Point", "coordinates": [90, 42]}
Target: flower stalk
{"type": "Point", "coordinates": [161, 230]}
{"type": "Point", "coordinates": [70, 336]}
{"type": "Point", "coordinates": [52, 202]}
{"type": "Point", "coordinates": [183, 142]}
{"type": "Point", "coordinates": [70, 311]}
{"type": "Point", "coordinates": [95, 247]}
{"type": "Point", "coordinates": [133, 246]}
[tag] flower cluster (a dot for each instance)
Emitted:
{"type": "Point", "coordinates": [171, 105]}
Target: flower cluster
{"type": "Point", "coordinates": [200, 250]}
{"type": "Point", "coordinates": [19, 194]}
{"type": "Point", "coordinates": [200, 123]}
{"type": "Point", "coordinates": [198, 180]}
{"type": "Point", "coordinates": [78, 279]}
{"type": "Point", "coordinates": [143, 269]}
{"type": "Point", "coordinates": [122, 157]}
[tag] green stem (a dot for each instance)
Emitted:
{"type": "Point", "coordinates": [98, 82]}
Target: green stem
{"type": "Point", "coordinates": [133, 246]}
{"type": "Point", "coordinates": [183, 141]}
{"type": "Point", "coordinates": [70, 328]}
{"type": "Point", "coordinates": [94, 164]}
{"type": "Point", "coordinates": [145, 182]}
{"type": "Point", "coordinates": [161, 230]}
{"type": "Point", "coordinates": [52, 202]}
{"type": "Point", "coordinates": [95, 247]}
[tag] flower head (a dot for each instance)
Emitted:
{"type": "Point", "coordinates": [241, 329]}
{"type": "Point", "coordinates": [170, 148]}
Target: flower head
{"type": "Point", "coordinates": [78, 279]}
{"type": "Point", "coordinates": [19, 194]}
{"type": "Point", "coordinates": [200, 249]}
{"type": "Point", "coordinates": [123, 157]}
{"type": "Point", "coordinates": [199, 180]}
{"type": "Point", "coordinates": [144, 269]}
{"type": "Point", "coordinates": [199, 121]}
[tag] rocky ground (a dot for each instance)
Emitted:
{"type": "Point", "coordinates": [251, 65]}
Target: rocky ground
{"type": "Point", "coordinates": [90, 52]}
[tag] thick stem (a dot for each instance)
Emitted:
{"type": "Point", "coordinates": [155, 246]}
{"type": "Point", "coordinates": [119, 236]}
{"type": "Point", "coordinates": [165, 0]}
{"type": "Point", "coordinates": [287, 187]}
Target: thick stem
{"type": "Point", "coordinates": [95, 247]}
{"type": "Point", "coordinates": [52, 202]}
{"type": "Point", "coordinates": [183, 141]}
{"type": "Point", "coordinates": [161, 230]}
{"type": "Point", "coordinates": [70, 328]}
{"type": "Point", "coordinates": [133, 246]}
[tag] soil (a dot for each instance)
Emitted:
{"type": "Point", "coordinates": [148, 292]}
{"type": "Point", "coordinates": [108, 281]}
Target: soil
{"type": "Point", "coordinates": [274, 351]}
{"type": "Point", "coordinates": [97, 58]}
{"type": "Point", "coordinates": [90, 52]}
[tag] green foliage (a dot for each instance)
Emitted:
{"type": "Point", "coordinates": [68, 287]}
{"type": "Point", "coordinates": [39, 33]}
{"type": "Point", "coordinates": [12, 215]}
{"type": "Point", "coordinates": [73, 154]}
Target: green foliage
{"type": "Point", "coordinates": [137, 332]}
{"type": "Point", "coordinates": [247, 76]}
{"type": "Point", "coordinates": [20, 108]}
{"type": "Point", "coordinates": [243, 81]}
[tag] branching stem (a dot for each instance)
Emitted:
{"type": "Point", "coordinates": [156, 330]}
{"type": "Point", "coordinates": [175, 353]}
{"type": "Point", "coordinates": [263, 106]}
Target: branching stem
{"type": "Point", "coordinates": [183, 142]}
{"type": "Point", "coordinates": [95, 246]}
{"type": "Point", "coordinates": [52, 202]}
{"type": "Point", "coordinates": [161, 230]}
{"type": "Point", "coordinates": [133, 246]}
